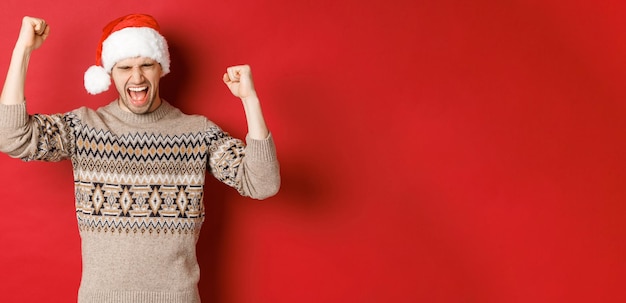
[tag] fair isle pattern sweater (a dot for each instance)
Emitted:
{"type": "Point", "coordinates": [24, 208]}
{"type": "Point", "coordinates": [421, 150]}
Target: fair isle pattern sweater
{"type": "Point", "coordinates": [139, 185]}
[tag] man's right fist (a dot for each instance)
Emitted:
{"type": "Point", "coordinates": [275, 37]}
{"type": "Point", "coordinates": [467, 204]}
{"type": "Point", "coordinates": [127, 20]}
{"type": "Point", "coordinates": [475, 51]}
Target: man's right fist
{"type": "Point", "coordinates": [33, 33]}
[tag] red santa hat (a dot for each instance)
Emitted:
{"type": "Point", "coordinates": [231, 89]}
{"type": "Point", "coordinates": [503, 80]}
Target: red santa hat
{"type": "Point", "coordinates": [126, 37]}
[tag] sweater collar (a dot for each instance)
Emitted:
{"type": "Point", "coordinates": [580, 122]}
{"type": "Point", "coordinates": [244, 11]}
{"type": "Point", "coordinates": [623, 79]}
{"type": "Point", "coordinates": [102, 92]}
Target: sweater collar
{"type": "Point", "coordinates": [133, 118]}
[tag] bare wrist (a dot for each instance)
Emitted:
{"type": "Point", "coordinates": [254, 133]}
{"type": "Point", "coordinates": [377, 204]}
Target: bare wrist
{"type": "Point", "coordinates": [250, 99]}
{"type": "Point", "coordinates": [20, 50]}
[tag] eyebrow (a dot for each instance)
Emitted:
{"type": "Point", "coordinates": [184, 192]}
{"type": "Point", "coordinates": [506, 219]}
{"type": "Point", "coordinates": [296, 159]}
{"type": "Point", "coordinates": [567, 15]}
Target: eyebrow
{"type": "Point", "coordinates": [139, 64]}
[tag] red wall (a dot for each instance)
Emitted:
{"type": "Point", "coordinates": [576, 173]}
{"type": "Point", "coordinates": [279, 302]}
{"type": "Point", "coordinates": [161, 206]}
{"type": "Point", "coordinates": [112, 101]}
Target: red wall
{"type": "Point", "coordinates": [431, 151]}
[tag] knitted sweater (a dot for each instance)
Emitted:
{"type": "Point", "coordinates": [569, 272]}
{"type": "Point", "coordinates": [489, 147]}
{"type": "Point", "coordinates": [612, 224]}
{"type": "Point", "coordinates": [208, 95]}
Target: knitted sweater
{"type": "Point", "coordinates": [139, 185]}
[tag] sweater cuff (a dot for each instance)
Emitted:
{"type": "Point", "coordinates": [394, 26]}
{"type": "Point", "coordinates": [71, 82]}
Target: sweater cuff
{"type": "Point", "coordinates": [261, 150]}
{"type": "Point", "coordinates": [13, 116]}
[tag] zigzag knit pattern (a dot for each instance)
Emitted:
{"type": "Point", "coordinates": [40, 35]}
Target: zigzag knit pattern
{"type": "Point", "coordinates": [138, 182]}
{"type": "Point", "coordinates": [139, 185]}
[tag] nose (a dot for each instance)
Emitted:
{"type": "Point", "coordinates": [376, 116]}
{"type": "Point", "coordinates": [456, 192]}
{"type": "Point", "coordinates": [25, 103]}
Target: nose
{"type": "Point", "coordinates": [136, 74]}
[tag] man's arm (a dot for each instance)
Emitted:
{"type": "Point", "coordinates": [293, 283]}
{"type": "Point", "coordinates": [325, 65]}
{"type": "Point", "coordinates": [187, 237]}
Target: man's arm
{"type": "Point", "coordinates": [37, 137]}
{"type": "Point", "coordinates": [33, 33]}
{"type": "Point", "coordinates": [258, 175]}
{"type": "Point", "coordinates": [239, 81]}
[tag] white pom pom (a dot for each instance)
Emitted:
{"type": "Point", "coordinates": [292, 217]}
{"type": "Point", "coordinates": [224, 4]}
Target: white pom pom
{"type": "Point", "coordinates": [97, 80]}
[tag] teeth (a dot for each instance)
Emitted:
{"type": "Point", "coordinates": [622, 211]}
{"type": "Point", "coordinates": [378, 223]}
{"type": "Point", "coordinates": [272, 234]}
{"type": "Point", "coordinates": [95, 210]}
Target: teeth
{"type": "Point", "coordinates": [137, 89]}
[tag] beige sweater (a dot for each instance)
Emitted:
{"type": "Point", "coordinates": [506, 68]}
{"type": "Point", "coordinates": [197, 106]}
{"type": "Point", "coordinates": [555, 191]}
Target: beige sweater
{"type": "Point", "coordinates": [139, 186]}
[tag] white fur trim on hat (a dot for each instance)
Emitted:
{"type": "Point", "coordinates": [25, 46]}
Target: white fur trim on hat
{"type": "Point", "coordinates": [133, 42]}
{"type": "Point", "coordinates": [127, 43]}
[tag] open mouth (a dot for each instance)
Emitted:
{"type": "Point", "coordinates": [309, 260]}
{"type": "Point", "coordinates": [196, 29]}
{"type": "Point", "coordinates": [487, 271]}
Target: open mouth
{"type": "Point", "coordinates": [138, 94]}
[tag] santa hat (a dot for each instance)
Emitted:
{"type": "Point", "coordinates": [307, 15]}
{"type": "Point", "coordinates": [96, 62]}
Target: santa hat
{"type": "Point", "coordinates": [126, 37]}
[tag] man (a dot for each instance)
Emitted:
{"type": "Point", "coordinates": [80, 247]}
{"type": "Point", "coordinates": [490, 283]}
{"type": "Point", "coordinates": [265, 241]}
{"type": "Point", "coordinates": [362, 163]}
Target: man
{"type": "Point", "coordinates": [139, 163]}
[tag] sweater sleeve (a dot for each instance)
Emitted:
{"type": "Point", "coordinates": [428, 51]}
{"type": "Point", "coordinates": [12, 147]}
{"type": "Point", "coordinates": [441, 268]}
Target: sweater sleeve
{"type": "Point", "coordinates": [36, 137]}
{"type": "Point", "coordinates": [250, 168]}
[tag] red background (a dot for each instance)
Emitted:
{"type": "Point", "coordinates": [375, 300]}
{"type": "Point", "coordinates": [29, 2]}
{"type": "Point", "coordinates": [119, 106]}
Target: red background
{"type": "Point", "coordinates": [431, 151]}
